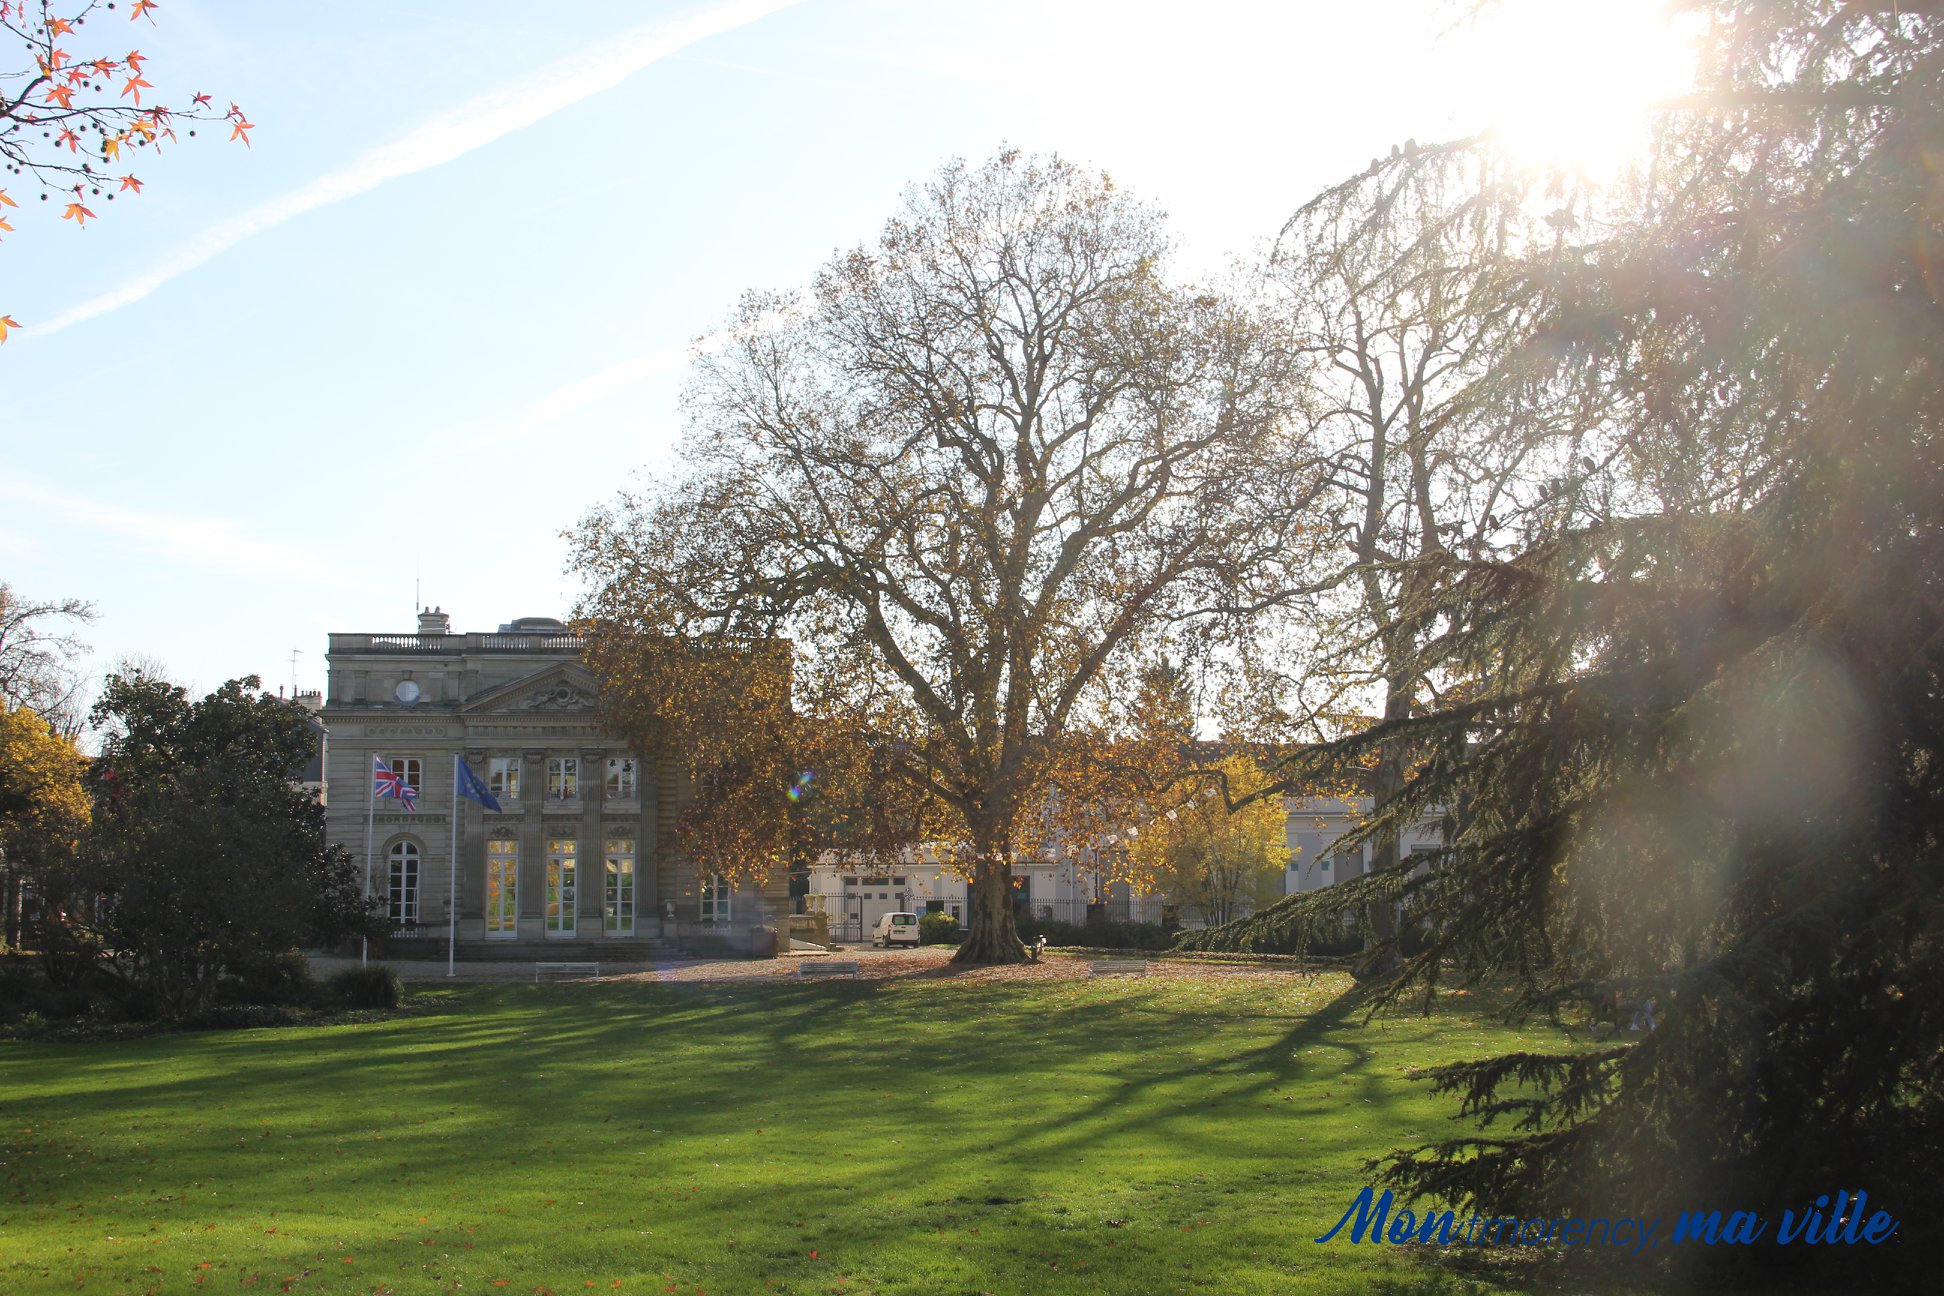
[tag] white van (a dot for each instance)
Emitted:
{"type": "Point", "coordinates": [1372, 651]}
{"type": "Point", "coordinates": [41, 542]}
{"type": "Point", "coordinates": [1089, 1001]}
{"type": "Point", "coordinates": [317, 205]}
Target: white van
{"type": "Point", "coordinates": [895, 929]}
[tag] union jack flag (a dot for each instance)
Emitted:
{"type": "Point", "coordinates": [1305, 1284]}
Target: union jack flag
{"type": "Point", "coordinates": [388, 782]}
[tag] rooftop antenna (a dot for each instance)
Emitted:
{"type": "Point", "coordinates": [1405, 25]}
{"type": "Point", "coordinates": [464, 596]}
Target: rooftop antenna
{"type": "Point", "coordinates": [295, 653]}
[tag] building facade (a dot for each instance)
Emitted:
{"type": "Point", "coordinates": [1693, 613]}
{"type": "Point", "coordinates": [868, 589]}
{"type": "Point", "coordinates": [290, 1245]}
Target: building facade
{"type": "Point", "coordinates": [1069, 890]}
{"type": "Point", "coordinates": [578, 853]}
{"type": "Point", "coordinates": [853, 897]}
{"type": "Point", "coordinates": [1316, 824]}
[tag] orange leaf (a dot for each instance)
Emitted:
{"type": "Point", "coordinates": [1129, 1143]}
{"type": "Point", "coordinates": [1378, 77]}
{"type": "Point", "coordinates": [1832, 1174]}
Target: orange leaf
{"type": "Point", "coordinates": [141, 7]}
{"type": "Point", "coordinates": [58, 27]}
{"type": "Point", "coordinates": [130, 182]}
{"type": "Point", "coordinates": [62, 95]}
{"type": "Point", "coordinates": [240, 131]}
{"type": "Point", "coordinates": [4, 200]}
{"type": "Point", "coordinates": [135, 87]}
{"type": "Point", "coordinates": [6, 323]}
{"type": "Point", "coordinates": [5, 226]}
{"type": "Point", "coordinates": [76, 213]}
{"type": "Point", "coordinates": [67, 137]}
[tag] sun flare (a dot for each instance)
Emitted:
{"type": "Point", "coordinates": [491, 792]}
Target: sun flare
{"type": "Point", "coordinates": [1572, 84]}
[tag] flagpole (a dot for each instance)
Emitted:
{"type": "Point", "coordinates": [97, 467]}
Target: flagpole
{"type": "Point", "coordinates": [371, 810]}
{"type": "Point", "coordinates": [452, 875]}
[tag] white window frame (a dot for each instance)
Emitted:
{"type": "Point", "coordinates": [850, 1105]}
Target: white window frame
{"type": "Point", "coordinates": [718, 899]}
{"type": "Point", "coordinates": [562, 887]}
{"type": "Point", "coordinates": [623, 782]}
{"type": "Point", "coordinates": [503, 778]}
{"type": "Point", "coordinates": [563, 772]}
{"type": "Point", "coordinates": [409, 768]}
{"type": "Point", "coordinates": [403, 868]}
{"type": "Point", "coordinates": [618, 891]}
{"type": "Point", "coordinates": [503, 853]}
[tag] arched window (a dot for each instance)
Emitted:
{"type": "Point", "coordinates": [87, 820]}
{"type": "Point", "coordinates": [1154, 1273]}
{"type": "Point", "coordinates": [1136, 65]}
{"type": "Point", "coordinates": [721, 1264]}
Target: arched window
{"type": "Point", "coordinates": [402, 894]}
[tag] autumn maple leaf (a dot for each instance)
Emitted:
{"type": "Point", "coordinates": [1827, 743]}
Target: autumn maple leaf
{"type": "Point", "coordinates": [76, 213]}
{"type": "Point", "coordinates": [58, 27]}
{"type": "Point", "coordinates": [130, 182]}
{"type": "Point", "coordinates": [135, 87]}
{"type": "Point", "coordinates": [135, 60]}
{"type": "Point", "coordinates": [6, 201]}
{"type": "Point", "coordinates": [68, 138]}
{"type": "Point", "coordinates": [141, 7]}
{"type": "Point", "coordinates": [7, 322]}
{"type": "Point", "coordinates": [201, 99]}
{"type": "Point", "coordinates": [62, 95]}
{"type": "Point", "coordinates": [241, 129]}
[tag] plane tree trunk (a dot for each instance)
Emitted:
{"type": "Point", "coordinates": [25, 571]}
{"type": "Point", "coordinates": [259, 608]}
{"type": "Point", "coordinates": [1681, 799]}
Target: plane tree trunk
{"type": "Point", "coordinates": [992, 937]}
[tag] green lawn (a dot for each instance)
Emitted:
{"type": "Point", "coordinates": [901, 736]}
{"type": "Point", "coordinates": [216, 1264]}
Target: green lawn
{"type": "Point", "coordinates": [914, 1137]}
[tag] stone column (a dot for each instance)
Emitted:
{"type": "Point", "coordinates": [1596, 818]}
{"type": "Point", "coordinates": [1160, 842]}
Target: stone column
{"type": "Point", "coordinates": [533, 845]}
{"type": "Point", "coordinates": [648, 905]}
{"type": "Point", "coordinates": [472, 856]}
{"type": "Point", "coordinates": [591, 894]}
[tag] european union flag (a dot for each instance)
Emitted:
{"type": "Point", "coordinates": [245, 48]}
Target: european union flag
{"type": "Point", "coordinates": [474, 788]}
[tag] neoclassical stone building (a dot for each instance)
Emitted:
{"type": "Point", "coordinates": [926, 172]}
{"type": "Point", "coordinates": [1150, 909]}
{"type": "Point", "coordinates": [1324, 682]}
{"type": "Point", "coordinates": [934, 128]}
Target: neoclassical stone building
{"type": "Point", "coordinates": [577, 858]}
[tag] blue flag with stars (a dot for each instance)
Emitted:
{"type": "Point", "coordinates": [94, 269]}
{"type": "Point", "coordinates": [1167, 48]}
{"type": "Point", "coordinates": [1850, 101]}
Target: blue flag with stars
{"type": "Point", "coordinates": [473, 788]}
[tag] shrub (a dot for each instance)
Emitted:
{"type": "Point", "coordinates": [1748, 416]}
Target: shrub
{"type": "Point", "coordinates": [240, 1017]}
{"type": "Point", "coordinates": [271, 979]}
{"type": "Point", "coordinates": [1098, 935]}
{"type": "Point", "coordinates": [938, 929]}
{"type": "Point", "coordinates": [376, 986]}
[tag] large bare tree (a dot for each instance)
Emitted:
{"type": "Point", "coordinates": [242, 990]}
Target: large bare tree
{"type": "Point", "coordinates": [991, 465]}
{"type": "Point", "coordinates": [36, 658]}
{"type": "Point", "coordinates": [1402, 281]}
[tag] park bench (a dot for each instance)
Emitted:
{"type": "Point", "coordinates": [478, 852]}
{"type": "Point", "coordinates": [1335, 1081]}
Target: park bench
{"type": "Point", "coordinates": [540, 970]}
{"type": "Point", "coordinates": [827, 968]}
{"type": "Point", "coordinates": [1119, 967]}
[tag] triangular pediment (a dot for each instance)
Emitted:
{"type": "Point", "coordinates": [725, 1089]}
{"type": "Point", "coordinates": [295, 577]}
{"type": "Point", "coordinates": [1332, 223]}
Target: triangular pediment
{"type": "Point", "coordinates": [561, 689]}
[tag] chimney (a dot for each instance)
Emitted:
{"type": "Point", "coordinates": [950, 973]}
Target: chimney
{"type": "Point", "coordinates": [434, 622]}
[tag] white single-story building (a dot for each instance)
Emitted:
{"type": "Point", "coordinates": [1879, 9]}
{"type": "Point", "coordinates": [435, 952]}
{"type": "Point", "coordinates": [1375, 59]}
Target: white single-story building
{"type": "Point", "coordinates": [855, 896]}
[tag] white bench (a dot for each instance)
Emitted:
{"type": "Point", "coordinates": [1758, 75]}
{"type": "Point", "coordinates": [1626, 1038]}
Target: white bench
{"type": "Point", "coordinates": [815, 967]}
{"type": "Point", "coordinates": [1119, 967]}
{"type": "Point", "coordinates": [565, 969]}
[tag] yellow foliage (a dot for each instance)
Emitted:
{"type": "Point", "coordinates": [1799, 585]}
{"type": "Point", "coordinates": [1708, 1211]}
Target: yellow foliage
{"type": "Point", "coordinates": [43, 807]}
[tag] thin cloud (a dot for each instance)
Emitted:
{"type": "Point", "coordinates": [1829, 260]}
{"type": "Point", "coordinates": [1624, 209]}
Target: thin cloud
{"type": "Point", "coordinates": [578, 395]}
{"type": "Point", "coordinates": [217, 542]}
{"type": "Point", "coordinates": [575, 396]}
{"type": "Point", "coordinates": [441, 139]}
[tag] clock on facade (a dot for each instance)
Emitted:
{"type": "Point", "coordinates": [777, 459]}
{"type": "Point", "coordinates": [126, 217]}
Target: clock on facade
{"type": "Point", "coordinates": [406, 692]}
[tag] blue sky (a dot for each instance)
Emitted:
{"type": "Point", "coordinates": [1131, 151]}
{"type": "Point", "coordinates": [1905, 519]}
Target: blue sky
{"type": "Point", "coordinates": [441, 306]}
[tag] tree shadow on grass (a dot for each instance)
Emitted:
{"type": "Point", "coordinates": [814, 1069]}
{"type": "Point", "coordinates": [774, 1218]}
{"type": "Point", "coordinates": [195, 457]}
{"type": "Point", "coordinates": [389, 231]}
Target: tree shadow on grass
{"type": "Point", "coordinates": [648, 1078]}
